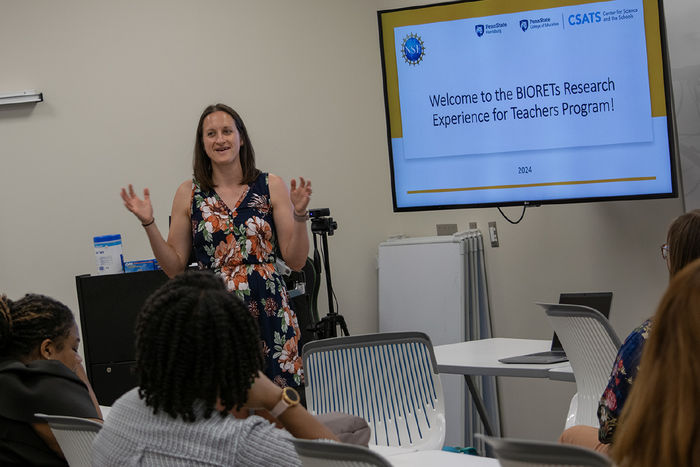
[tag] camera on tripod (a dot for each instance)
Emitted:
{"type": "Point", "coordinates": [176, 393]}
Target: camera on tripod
{"type": "Point", "coordinates": [321, 221]}
{"type": "Point", "coordinates": [322, 225]}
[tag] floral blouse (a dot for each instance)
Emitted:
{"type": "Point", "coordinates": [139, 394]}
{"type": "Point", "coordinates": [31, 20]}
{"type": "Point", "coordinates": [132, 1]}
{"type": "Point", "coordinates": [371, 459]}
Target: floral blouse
{"type": "Point", "coordinates": [239, 243]}
{"type": "Point", "coordinates": [623, 374]}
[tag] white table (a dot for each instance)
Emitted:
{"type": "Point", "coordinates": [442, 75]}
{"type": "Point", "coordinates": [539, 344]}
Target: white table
{"type": "Point", "coordinates": [563, 373]}
{"type": "Point", "coordinates": [441, 459]}
{"type": "Point", "coordinates": [405, 457]}
{"type": "Point", "coordinates": [480, 358]}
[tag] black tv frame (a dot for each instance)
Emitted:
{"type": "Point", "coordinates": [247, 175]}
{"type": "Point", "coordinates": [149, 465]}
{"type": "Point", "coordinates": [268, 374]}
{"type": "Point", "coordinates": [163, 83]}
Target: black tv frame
{"type": "Point", "coordinates": [670, 115]}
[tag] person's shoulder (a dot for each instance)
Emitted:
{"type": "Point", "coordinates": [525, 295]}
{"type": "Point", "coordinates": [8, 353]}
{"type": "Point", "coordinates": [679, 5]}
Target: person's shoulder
{"type": "Point", "coordinates": [631, 349]}
{"type": "Point", "coordinates": [184, 192]}
{"type": "Point", "coordinates": [645, 326]}
{"type": "Point", "coordinates": [37, 368]}
{"type": "Point", "coordinates": [44, 386]}
{"type": "Point", "coordinates": [9, 365]}
{"type": "Point", "coordinates": [640, 332]}
{"type": "Point", "coordinates": [129, 396]}
{"type": "Point", "coordinates": [273, 181]}
{"type": "Point", "coordinates": [187, 186]}
{"type": "Point", "coordinates": [129, 406]}
{"type": "Point", "coordinates": [123, 429]}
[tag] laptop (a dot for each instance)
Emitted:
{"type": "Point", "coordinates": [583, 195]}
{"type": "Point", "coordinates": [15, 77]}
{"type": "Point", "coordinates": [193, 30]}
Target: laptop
{"type": "Point", "coordinates": [597, 300]}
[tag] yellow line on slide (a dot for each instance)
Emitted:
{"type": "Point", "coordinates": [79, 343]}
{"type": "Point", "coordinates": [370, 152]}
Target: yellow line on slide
{"type": "Point", "coordinates": [530, 185]}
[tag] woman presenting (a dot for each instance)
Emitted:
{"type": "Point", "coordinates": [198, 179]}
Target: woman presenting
{"type": "Point", "coordinates": [234, 217]}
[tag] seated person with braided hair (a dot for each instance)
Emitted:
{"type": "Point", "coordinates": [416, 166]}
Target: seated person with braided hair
{"type": "Point", "coordinates": [40, 372]}
{"type": "Point", "coordinates": [199, 362]}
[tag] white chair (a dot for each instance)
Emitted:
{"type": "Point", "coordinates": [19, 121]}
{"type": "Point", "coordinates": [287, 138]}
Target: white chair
{"type": "Point", "coordinates": [75, 436]}
{"type": "Point", "coordinates": [314, 453]}
{"type": "Point", "coordinates": [389, 379]}
{"type": "Point", "coordinates": [526, 453]}
{"type": "Point", "coordinates": [591, 345]}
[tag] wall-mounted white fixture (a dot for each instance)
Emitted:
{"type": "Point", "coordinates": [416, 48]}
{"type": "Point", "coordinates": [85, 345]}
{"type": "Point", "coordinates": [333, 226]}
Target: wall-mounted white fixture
{"type": "Point", "coordinates": [21, 97]}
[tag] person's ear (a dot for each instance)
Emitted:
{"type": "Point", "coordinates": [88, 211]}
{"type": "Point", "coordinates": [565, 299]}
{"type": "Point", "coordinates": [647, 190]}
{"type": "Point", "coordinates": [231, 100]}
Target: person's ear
{"type": "Point", "coordinates": [47, 349]}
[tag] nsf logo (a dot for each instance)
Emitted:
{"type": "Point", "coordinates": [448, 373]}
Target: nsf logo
{"type": "Point", "coordinates": [412, 49]}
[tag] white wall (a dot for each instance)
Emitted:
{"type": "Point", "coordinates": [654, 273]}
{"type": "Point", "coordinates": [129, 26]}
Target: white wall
{"type": "Point", "coordinates": [684, 39]}
{"type": "Point", "coordinates": [124, 84]}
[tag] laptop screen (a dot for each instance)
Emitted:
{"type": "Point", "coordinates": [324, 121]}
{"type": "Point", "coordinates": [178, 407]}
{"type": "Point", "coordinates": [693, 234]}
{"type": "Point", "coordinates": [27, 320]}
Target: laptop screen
{"type": "Point", "coordinates": [597, 300]}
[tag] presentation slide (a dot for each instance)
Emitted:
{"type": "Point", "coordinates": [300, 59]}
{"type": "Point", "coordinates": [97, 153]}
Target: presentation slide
{"type": "Point", "coordinates": [527, 105]}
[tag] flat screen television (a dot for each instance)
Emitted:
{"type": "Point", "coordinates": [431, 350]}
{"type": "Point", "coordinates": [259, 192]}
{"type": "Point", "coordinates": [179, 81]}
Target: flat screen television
{"type": "Point", "coordinates": [503, 102]}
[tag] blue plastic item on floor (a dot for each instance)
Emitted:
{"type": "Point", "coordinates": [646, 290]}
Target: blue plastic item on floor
{"type": "Point", "coordinates": [467, 450]}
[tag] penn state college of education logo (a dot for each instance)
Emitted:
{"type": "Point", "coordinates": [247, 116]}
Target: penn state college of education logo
{"type": "Point", "coordinates": [413, 49]}
{"type": "Point", "coordinates": [479, 28]}
{"type": "Point", "coordinates": [524, 24]}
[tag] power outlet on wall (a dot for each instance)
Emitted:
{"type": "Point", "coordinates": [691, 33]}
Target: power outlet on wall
{"type": "Point", "coordinates": [493, 234]}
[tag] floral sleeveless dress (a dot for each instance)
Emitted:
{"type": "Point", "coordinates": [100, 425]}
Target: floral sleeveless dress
{"type": "Point", "coordinates": [239, 243]}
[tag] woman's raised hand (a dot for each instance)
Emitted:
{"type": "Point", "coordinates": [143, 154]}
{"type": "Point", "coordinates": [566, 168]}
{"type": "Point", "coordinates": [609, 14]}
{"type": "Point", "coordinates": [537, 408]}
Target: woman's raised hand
{"type": "Point", "coordinates": [300, 195]}
{"type": "Point", "coordinates": [141, 208]}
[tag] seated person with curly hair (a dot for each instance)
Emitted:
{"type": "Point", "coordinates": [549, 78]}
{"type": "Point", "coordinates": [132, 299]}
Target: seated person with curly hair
{"type": "Point", "coordinates": [40, 372]}
{"type": "Point", "coordinates": [199, 363]}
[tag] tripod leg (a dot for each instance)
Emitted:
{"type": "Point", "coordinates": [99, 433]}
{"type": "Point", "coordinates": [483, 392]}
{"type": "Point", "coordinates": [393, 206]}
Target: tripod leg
{"type": "Point", "coordinates": [329, 328]}
{"type": "Point", "coordinates": [343, 326]}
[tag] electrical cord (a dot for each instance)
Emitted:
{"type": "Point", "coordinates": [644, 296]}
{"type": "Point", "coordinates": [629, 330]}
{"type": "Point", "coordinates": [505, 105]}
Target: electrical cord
{"type": "Point", "coordinates": [509, 220]}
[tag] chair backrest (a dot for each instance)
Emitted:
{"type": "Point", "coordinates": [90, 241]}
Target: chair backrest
{"type": "Point", "coordinates": [75, 436]}
{"type": "Point", "coordinates": [389, 379]}
{"type": "Point", "coordinates": [526, 453]}
{"type": "Point", "coordinates": [313, 453]}
{"type": "Point", "coordinates": [304, 303]}
{"type": "Point", "coordinates": [591, 345]}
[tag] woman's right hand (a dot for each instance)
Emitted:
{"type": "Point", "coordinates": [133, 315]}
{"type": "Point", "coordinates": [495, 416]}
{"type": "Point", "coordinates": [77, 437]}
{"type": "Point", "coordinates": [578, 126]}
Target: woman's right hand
{"type": "Point", "coordinates": [141, 208]}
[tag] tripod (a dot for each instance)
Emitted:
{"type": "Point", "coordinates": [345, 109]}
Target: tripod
{"type": "Point", "coordinates": [322, 226]}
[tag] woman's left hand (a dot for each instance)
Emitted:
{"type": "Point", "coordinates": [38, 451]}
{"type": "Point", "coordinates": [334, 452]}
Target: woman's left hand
{"type": "Point", "coordinates": [300, 195]}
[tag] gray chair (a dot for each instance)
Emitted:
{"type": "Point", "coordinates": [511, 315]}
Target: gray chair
{"type": "Point", "coordinates": [314, 453]}
{"type": "Point", "coordinates": [591, 345]}
{"type": "Point", "coordinates": [389, 379]}
{"type": "Point", "coordinates": [526, 453]}
{"type": "Point", "coordinates": [74, 436]}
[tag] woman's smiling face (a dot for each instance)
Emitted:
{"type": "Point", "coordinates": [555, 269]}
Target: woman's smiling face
{"type": "Point", "coordinates": [222, 142]}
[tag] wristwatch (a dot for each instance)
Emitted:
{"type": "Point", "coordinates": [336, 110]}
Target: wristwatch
{"type": "Point", "coordinates": [290, 398]}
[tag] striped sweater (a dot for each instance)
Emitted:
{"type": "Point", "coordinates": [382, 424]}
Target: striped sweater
{"type": "Point", "coordinates": [132, 435]}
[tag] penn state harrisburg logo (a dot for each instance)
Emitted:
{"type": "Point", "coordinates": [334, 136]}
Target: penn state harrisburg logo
{"type": "Point", "coordinates": [479, 28]}
{"type": "Point", "coordinates": [524, 24]}
{"type": "Point", "coordinates": [413, 49]}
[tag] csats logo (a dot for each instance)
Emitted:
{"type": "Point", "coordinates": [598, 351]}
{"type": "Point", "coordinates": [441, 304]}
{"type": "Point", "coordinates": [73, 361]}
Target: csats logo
{"type": "Point", "coordinates": [412, 49]}
{"type": "Point", "coordinates": [577, 19]}
{"type": "Point", "coordinates": [524, 24]}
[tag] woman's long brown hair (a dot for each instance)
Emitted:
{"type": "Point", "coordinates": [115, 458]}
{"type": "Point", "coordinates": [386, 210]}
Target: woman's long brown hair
{"type": "Point", "coordinates": [660, 423]}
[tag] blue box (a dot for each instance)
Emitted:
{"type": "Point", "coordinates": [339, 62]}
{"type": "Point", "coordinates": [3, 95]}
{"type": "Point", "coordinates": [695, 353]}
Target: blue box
{"type": "Point", "coordinates": [142, 265]}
